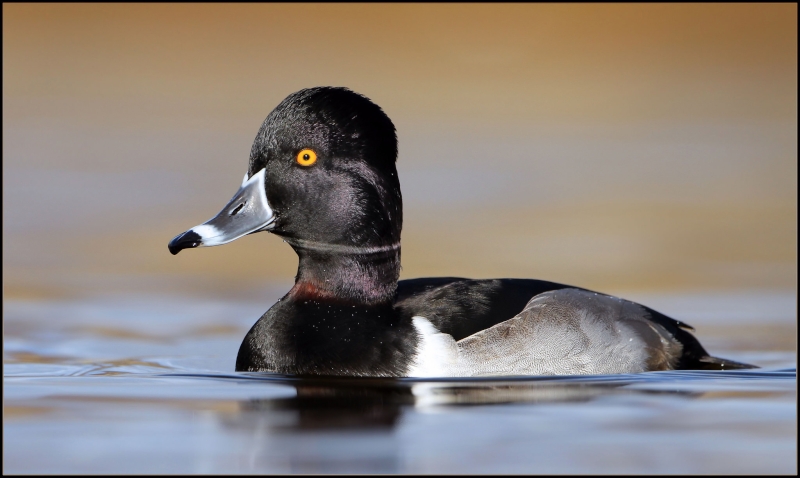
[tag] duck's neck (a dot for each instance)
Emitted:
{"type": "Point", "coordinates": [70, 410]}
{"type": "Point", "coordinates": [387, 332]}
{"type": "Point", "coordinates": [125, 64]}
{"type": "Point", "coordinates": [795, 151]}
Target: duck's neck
{"type": "Point", "coordinates": [350, 274]}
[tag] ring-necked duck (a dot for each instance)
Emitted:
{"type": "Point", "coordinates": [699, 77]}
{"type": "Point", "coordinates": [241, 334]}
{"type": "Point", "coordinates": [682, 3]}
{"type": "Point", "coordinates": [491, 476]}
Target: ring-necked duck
{"type": "Point", "coordinates": [322, 176]}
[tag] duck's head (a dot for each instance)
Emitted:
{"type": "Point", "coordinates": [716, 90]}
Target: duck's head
{"type": "Point", "coordinates": [322, 175]}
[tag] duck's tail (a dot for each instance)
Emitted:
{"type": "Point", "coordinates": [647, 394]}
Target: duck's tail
{"type": "Point", "coordinates": [716, 363]}
{"type": "Point", "coordinates": [694, 356]}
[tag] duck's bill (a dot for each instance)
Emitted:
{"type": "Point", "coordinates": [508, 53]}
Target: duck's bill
{"type": "Point", "coordinates": [246, 213]}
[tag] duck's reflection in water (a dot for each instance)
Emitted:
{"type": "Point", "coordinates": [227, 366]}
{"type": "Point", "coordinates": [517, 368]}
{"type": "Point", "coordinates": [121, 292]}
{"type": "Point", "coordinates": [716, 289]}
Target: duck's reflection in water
{"type": "Point", "coordinates": [321, 406]}
{"type": "Point", "coordinates": [353, 425]}
{"type": "Point", "coordinates": [335, 403]}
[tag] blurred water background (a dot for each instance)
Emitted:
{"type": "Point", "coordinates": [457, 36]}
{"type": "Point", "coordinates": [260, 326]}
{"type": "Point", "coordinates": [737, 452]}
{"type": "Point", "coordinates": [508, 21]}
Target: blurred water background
{"type": "Point", "coordinates": [646, 151]}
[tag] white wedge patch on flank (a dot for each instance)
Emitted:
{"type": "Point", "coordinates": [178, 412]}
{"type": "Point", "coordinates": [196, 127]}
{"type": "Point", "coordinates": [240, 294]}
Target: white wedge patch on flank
{"type": "Point", "coordinates": [437, 353]}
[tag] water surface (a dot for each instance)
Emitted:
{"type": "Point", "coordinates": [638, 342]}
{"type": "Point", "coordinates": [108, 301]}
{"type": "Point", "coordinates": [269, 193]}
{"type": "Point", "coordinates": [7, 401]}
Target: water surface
{"type": "Point", "coordinates": [143, 384]}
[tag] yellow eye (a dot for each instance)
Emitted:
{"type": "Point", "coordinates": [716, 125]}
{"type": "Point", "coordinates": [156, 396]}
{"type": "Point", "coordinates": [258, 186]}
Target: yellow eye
{"type": "Point", "coordinates": [306, 157]}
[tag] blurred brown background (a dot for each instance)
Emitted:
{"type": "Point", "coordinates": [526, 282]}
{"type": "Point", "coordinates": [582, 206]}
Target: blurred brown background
{"type": "Point", "coordinates": [615, 147]}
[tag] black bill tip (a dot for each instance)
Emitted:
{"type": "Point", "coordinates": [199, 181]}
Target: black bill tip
{"type": "Point", "coordinates": [185, 240]}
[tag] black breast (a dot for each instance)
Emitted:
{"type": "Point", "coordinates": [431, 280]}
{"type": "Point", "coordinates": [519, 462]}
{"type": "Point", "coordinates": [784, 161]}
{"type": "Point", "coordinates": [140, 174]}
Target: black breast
{"type": "Point", "coordinates": [323, 337]}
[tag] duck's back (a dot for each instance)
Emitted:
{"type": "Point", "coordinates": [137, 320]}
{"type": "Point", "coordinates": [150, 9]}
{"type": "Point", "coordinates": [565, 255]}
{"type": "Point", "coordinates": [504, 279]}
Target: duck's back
{"type": "Point", "coordinates": [531, 315]}
{"type": "Point", "coordinates": [461, 307]}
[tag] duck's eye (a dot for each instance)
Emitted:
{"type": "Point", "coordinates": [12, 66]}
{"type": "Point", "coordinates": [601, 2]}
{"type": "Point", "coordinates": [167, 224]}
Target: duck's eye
{"type": "Point", "coordinates": [306, 157]}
